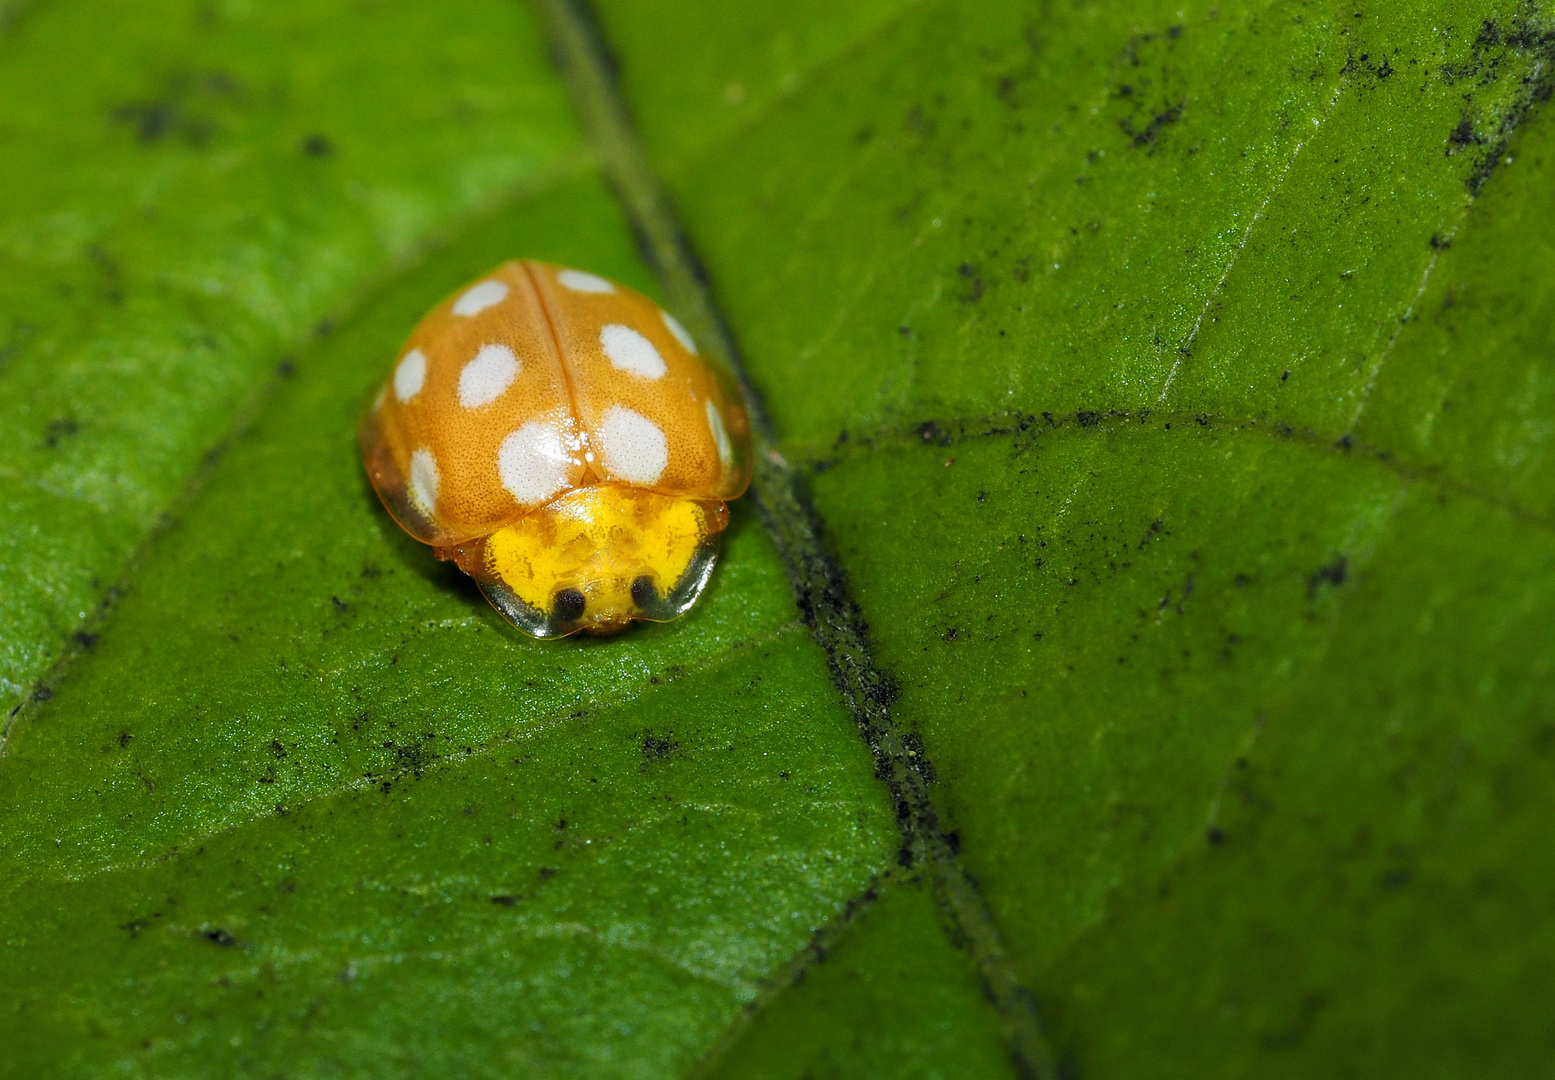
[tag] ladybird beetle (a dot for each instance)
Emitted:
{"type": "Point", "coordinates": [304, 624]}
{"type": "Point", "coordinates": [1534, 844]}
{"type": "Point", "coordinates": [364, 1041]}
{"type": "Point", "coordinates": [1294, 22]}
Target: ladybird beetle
{"type": "Point", "coordinates": [557, 436]}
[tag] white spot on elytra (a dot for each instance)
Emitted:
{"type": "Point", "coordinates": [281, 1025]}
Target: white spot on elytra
{"type": "Point", "coordinates": [583, 281]}
{"type": "Point", "coordinates": [410, 375]}
{"type": "Point", "coordinates": [423, 481]}
{"type": "Point", "coordinates": [715, 421]}
{"type": "Point", "coordinates": [477, 298]}
{"type": "Point", "coordinates": [679, 331]}
{"type": "Point", "coordinates": [533, 462]}
{"type": "Point", "coordinates": [485, 378]}
{"type": "Point", "coordinates": [635, 448]}
{"type": "Point", "coordinates": [630, 351]}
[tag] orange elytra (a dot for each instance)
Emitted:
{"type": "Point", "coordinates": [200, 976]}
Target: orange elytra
{"type": "Point", "coordinates": [557, 436]}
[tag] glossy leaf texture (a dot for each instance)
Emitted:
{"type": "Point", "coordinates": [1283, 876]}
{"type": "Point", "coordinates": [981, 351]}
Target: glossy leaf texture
{"type": "Point", "coordinates": [1174, 383]}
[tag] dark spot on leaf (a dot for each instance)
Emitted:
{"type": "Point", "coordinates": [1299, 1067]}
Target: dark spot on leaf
{"type": "Point", "coordinates": [150, 119]}
{"type": "Point", "coordinates": [1333, 573]}
{"type": "Point", "coordinates": [504, 899]}
{"type": "Point", "coordinates": [658, 747]}
{"type": "Point", "coordinates": [547, 872]}
{"type": "Point", "coordinates": [1464, 134]}
{"type": "Point", "coordinates": [317, 146]}
{"type": "Point", "coordinates": [412, 758]}
{"type": "Point", "coordinates": [1158, 123]}
{"type": "Point", "coordinates": [60, 429]}
{"type": "Point", "coordinates": [1215, 835]}
{"type": "Point", "coordinates": [930, 432]}
{"type": "Point", "coordinates": [220, 937]}
{"type": "Point", "coordinates": [1396, 878]}
{"type": "Point", "coordinates": [85, 638]}
{"type": "Point", "coordinates": [125, 738]}
{"type": "Point", "coordinates": [974, 284]}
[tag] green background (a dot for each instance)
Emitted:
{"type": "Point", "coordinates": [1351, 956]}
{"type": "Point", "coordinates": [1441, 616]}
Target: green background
{"type": "Point", "coordinates": [1176, 383]}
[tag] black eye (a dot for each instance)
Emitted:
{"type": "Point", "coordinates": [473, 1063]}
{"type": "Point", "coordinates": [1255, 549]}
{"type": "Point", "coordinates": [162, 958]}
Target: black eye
{"type": "Point", "coordinates": [567, 605]}
{"type": "Point", "coordinates": [643, 592]}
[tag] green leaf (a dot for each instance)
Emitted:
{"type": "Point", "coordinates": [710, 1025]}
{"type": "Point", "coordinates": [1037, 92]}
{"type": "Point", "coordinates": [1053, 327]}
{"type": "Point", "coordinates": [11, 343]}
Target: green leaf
{"type": "Point", "coordinates": [192, 190]}
{"type": "Point", "coordinates": [1174, 389]}
{"type": "Point", "coordinates": [1176, 384]}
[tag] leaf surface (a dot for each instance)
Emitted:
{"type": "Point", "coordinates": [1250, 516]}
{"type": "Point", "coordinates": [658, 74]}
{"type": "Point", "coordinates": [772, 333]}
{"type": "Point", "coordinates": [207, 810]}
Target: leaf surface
{"type": "Point", "coordinates": [1174, 387]}
{"type": "Point", "coordinates": [1174, 382]}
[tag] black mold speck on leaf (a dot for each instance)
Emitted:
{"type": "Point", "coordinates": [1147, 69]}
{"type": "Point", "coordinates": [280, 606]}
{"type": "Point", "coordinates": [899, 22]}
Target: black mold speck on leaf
{"type": "Point", "coordinates": [974, 284]}
{"type": "Point", "coordinates": [1157, 124]}
{"type": "Point", "coordinates": [1464, 134]}
{"type": "Point", "coordinates": [1333, 573]}
{"type": "Point", "coordinates": [658, 747]}
{"type": "Point", "coordinates": [60, 429]}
